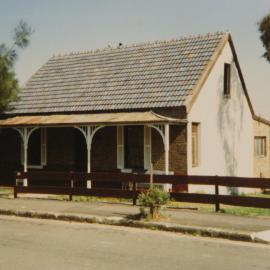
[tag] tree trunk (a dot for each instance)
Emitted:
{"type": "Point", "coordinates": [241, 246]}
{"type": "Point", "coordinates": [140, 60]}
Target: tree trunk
{"type": "Point", "coordinates": [154, 211]}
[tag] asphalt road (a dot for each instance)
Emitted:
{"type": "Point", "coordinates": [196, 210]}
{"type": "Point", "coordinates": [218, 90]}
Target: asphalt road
{"type": "Point", "coordinates": [41, 244]}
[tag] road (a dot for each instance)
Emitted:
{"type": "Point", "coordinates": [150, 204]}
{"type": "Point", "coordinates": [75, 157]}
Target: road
{"type": "Point", "coordinates": [43, 244]}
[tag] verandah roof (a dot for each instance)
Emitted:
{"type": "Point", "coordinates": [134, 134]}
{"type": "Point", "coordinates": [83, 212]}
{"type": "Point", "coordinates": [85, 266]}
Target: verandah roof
{"type": "Point", "coordinates": [89, 119]}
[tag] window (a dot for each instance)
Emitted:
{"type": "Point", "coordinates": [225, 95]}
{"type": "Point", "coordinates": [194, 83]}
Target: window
{"type": "Point", "coordinates": [37, 149]}
{"type": "Point", "coordinates": [34, 149]}
{"type": "Point", "coordinates": [120, 147]}
{"type": "Point", "coordinates": [195, 144]}
{"type": "Point", "coordinates": [227, 80]}
{"type": "Point", "coordinates": [134, 147]}
{"type": "Point", "coordinates": [260, 146]}
{"type": "Point", "coordinates": [147, 147]}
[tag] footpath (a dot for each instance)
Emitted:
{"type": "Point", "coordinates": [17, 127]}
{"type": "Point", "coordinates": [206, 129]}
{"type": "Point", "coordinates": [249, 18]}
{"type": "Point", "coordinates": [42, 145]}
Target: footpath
{"type": "Point", "coordinates": [240, 228]}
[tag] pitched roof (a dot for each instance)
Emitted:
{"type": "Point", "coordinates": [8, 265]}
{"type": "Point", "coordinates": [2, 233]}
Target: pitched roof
{"type": "Point", "coordinates": [142, 76]}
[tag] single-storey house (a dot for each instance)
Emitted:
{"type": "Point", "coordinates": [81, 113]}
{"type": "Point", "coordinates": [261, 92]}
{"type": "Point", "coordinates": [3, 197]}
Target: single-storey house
{"type": "Point", "coordinates": [176, 107]}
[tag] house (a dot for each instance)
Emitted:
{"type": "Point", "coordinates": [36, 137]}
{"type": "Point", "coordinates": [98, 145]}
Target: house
{"type": "Point", "coordinates": [180, 106]}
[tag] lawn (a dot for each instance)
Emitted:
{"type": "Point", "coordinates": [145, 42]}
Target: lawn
{"type": "Point", "coordinates": [5, 191]}
{"type": "Point", "coordinates": [226, 209]}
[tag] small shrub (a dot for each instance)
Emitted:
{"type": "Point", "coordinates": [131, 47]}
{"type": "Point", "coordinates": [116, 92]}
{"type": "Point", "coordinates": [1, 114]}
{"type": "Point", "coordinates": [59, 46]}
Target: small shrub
{"type": "Point", "coordinates": [154, 198]}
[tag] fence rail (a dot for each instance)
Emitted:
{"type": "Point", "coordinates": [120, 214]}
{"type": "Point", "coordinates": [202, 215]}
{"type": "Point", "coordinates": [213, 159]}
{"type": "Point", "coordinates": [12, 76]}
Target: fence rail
{"type": "Point", "coordinates": [70, 187]}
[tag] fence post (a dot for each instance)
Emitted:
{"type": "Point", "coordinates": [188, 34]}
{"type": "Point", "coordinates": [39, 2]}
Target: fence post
{"type": "Point", "coordinates": [217, 197]}
{"type": "Point", "coordinates": [134, 189]}
{"type": "Point", "coordinates": [15, 194]}
{"type": "Point", "coordinates": [151, 175]}
{"type": "Point", "coordinates": [71, 186]}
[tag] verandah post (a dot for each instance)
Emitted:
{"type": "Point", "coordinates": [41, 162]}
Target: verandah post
{"type": "Point", "coordinates": [151, 175]}
{"type": "Point", "coordinates": [25, 148]}
{"type": "Point", "coordinates": [88, 138]}
{"type": "Point", "coordinates": [15, 186]}
{"type": "Point", "coordinates": [166, 147]}
{"type": "Point", "coordinates": [134, 189]}
{"type": "Point", "coordinates": [88, 133]}
{"type": "Point", "coordinates": [71, 185]}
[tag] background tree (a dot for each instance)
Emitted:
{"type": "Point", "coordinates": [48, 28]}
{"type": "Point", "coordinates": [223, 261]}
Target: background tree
{"type": "Point", "coordinates": [264, 28]}
{"type": "Point", "coordinates": [8, 82]}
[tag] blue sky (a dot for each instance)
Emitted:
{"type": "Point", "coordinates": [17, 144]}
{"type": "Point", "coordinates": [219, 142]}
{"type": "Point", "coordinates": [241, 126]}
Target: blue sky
{"type": "Point", "coordinates": [63, 26]}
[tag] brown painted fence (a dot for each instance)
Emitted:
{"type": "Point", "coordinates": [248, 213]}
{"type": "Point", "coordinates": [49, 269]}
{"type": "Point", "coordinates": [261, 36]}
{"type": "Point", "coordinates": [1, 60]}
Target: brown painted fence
{"type": "Point", "coordinates": [74, 183]}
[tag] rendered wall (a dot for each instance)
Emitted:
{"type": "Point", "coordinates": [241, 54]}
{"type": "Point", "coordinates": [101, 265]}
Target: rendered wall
{"type": "Point", "coordinates": [226, 126]}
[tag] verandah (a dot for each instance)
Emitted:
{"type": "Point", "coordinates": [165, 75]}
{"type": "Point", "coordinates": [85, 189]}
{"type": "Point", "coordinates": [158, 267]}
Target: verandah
{"type": "Point", "coordinates": [89, 125]}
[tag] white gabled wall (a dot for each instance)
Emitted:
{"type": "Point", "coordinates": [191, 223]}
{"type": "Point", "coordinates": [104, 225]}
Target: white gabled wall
{"type": "Point", "coordinates": [226, 125]}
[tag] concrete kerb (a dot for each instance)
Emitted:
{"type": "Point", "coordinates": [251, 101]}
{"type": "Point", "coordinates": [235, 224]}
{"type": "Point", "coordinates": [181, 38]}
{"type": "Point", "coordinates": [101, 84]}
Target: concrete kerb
{"type": "Point", "coordinates": [118, 221]}
{"type": "Point", "coordinates": [262, 237]}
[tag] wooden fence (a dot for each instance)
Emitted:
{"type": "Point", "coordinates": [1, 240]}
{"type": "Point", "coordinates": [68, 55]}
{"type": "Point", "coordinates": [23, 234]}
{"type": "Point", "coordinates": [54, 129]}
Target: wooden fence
{"type": "Point", "coordinates": [74, 183]}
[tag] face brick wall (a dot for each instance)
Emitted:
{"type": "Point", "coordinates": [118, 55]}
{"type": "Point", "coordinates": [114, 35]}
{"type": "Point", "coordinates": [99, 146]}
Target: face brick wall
{"type": "Point", "coordinates": [10, 149]}
{"type": "Point", "coordinates": [60, 150]}
{"type": "Point", "coordinates": [178, 150]}
{"type": "Point", "coordinates": [104, 150]}
{"type": "Point", "coordinates": [66, 150]}
{"type": "Point", "coordinates": [179, 113]}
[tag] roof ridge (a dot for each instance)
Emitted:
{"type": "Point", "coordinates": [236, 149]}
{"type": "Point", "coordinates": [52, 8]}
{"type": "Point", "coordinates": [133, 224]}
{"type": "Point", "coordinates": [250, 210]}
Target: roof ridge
{"type": "Point", "coordinates": [110, 48]}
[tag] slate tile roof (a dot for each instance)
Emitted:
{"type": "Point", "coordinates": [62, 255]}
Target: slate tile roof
{"type": "Point", "coordinates": [149, 75]}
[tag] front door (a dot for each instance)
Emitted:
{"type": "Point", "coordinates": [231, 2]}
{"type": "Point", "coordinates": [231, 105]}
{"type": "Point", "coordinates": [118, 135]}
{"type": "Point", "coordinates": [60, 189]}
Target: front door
{"type": "Point", "coordinates": [134, 152]}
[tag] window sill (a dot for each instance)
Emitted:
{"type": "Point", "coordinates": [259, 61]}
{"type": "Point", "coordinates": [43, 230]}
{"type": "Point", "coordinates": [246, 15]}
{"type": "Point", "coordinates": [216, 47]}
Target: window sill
{"type": "Point", "coordinates": [125, 170]}
{"type": "Point", "coordinates": [195, 166]}
{"type": "Point", "coordinates": [260, 156]}
{"type": "Point", "coordinates": [35, 167]}
{"type": "Point", "coordinates": [158, 172]}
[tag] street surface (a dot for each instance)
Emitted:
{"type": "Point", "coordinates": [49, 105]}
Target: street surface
{"type": "Point", "coordinates": [43, 244]}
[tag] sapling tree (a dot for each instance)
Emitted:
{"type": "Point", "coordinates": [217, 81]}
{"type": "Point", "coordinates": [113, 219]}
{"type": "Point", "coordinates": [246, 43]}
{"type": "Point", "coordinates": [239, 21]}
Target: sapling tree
{"type": "Point", "coordinates": [8, 54]}
{"type": "Point", "coordinates": [264, 29]}
{"type": "Point", "coordinates": [154, 198]}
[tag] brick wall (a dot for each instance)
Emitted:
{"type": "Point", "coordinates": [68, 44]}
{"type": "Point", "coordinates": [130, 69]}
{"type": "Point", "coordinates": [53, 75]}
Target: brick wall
{"type": "Point", "coordinates": [10, 149]}
{"type": "Point", "coordinates": [158, 159]}
{"type": "Point", "coordinates": [66, 150]}
{"type": "Point", "coordinates": [104, 150]}
{"type": "Point", "coordinates": [178, 150]}
{"type": "Point", "coordinates": [262, 164]}
{"type": "Point", "coordinates": [65, 145]}
{"type": "Point", "coordinates": [60, 149]}
{"type": "Point", "coordinates": [174, 112]}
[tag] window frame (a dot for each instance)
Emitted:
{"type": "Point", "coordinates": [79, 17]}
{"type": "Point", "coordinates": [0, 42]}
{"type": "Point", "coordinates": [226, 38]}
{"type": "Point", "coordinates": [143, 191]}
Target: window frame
{"type": "Point", "coordinates": [227, 80]}
{"type": "Point", "coordinates": [195, 162]}
{"type": "Point", "coordinates": [147, 151]}
{"type": "Point", "coordinates": [147, 155]}
{"type": "Point", "coordinates": [43, 151]}
{"type": "Point", "coordinates": [261, 143]}
{"type": "Point", "coordinates": [120, 147]}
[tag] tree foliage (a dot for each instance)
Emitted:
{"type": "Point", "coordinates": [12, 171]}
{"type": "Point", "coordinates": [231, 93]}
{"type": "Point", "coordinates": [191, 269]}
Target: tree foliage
{"type": "Point", "coordinates": [8, 82]}
{"type": "Point", "coordinates": [264, 28]}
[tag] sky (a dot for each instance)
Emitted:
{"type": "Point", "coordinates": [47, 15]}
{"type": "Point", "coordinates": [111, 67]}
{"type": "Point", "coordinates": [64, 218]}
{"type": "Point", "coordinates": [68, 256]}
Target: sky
{"type": "Point", "coordinates": [63, 26]}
